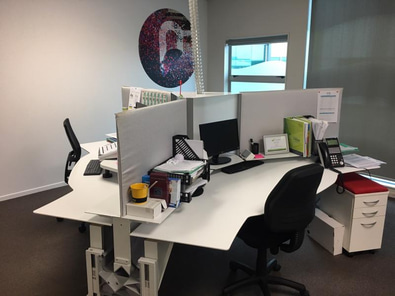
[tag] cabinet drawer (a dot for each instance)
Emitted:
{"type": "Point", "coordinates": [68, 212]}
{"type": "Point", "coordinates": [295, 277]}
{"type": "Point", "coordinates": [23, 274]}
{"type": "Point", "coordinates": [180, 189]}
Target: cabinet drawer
{"type": "Point", "coordinates": [371, 200]}
{"type": "Point", "coordinates": [369, 212]}
{"type": "Point", "coordinates": [366, 234]}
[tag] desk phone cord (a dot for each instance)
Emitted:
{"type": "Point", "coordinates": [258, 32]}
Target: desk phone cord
{"type": "Point", "coordinates": [340, 184]}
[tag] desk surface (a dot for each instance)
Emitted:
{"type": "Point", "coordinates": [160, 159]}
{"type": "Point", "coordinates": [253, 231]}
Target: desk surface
{"type": "Point", "coordinates": [213, 219]}
{"type": "Point", "coordinates": [88, 192]}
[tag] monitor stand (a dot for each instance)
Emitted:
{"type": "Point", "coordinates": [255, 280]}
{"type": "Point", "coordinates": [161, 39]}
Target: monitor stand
{"type": "Point", "coordinates": [217, 160]}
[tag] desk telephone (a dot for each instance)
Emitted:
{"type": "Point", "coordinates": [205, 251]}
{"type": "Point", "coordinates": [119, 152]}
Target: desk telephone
{"type": "Point", "coordinates": [330, 153]}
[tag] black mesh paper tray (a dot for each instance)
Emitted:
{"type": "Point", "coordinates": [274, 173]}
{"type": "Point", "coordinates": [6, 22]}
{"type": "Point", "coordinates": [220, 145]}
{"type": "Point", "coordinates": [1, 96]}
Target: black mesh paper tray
{"type": "Point", "coordinates": [180, 146]}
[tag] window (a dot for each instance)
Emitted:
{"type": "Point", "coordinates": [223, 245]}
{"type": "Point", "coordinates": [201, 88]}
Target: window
{"type": "Point", "coordinates": [257, 64]}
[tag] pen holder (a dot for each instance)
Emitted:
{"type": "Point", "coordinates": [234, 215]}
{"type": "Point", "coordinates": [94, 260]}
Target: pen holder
{"type": "Point", "coordinates": [255, 148]}
{"type": "Point", "coordinates": [139, 192]}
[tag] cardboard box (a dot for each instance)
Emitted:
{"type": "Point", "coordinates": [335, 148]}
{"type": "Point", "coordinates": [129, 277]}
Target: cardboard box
{"type": "Point", "coordinates": [150, 209]}
{"type": "Point", "coordinates": [327, 232]}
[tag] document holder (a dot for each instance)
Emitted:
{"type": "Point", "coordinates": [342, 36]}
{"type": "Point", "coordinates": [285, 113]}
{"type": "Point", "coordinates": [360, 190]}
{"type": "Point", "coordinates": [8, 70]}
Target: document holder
{"type": "Point", "coordinates": [180, 146]}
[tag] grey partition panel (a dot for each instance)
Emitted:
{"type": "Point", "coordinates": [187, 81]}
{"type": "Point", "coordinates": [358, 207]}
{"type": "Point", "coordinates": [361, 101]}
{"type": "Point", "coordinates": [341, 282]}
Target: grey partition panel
{"type": "Point", "coordinates": [208, 108]}
{"type": "Point", "coordinates": [145, 140]}
{"type": "Point", "coordinates": [262, 113]}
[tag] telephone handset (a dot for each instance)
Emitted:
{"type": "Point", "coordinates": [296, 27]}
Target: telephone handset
{"type": "Point", "coordinates": [330, 153]}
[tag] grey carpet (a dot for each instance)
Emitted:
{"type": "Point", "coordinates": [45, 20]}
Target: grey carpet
{"type": "Point", "coordinates": [42, 257]}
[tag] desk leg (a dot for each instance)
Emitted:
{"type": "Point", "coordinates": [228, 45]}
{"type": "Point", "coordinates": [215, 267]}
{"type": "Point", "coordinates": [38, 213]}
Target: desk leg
{"type": "Point", "coordinates": [122, 245]}
{"type": "Point", "coordinates": [153, 266]}
{"type": "Point", "coordinates": [95, 258]}
{"type": "Point", "coordinates": [122, 277]}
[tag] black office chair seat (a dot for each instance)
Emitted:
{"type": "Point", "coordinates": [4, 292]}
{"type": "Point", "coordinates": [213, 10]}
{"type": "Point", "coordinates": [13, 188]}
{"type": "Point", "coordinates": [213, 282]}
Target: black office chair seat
{"type": "Point", "coordinates": [289, 208]}
{"type": "Point", "coordinates": [261, 274]}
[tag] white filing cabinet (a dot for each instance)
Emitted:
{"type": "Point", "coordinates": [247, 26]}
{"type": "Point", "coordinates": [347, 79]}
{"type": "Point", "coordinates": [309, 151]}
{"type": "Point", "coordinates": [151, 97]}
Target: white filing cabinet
{"type": "Point", "coordinates": [361, 209]}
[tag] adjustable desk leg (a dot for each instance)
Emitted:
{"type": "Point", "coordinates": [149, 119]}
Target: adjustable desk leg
{"type": "Point", "coordinates": [95, 258]}
{"type": "Point", "coordinates": [102, 280]}
{"type": "Point", "coordinates": [122, 245]}
{"type": "Point", "coordinates": [153, 266]}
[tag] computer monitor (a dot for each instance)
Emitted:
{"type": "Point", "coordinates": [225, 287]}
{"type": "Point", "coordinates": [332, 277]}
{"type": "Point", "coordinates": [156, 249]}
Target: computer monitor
{"type": "Point", "coordinates": [220, 137]}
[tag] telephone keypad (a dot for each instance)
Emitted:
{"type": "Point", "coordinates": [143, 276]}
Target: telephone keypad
{"type": "Point", "coordinates": [336, 160]}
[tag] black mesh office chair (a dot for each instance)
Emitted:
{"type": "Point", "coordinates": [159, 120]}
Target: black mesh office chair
{"type": "Point", "coordinates": [289, 208]}
{"type": "Point", "coordinates": [72, 158]}
{"type": "Point", "coordinates": [75, 154]}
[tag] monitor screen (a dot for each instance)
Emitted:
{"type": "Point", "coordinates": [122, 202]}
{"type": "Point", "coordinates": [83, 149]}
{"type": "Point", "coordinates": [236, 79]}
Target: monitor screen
{"type": "Point", "coordinates": [220, 137]}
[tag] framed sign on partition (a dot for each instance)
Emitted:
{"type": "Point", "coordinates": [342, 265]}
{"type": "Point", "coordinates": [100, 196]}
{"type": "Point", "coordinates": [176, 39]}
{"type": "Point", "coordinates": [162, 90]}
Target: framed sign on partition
{"type": "Point", "coordinates": [275, 144]}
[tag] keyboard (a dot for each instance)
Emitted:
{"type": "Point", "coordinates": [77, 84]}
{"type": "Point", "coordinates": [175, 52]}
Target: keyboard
{"type": "Point", "coordinates": [93, 168]}
{"type": "Point", "coordinates": [241, 166]}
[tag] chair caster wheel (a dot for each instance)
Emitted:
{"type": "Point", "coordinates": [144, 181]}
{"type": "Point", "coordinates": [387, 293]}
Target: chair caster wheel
{"type": "Point", "coordinates": [277, 267]}
{"type": "Point", "coordinates": [82, 228]}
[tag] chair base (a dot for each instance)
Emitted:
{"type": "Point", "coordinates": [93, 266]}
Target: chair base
{"type": "Point", "coordinates": [263, 281]}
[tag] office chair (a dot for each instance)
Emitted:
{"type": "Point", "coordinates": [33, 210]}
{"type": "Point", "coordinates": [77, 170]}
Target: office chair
{"type": "Point", "coordinates": [75, 154]}
{"type": "Point", "coordinates": [289, 209]}
{"type": "Point", "coordinates": [72, 158]}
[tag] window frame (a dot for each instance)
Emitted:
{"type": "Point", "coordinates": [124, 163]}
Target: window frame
{"type": "Point", "coordinates": [249, 78]}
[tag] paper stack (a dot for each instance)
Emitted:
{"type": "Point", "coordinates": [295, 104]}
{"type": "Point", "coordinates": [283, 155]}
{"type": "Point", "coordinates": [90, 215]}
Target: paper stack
{"type": "Point", "coordinates": [364, 162]}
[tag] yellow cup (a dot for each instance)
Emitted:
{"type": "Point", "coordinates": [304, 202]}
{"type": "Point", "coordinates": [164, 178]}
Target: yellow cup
{"type": "Point", "coordinates": [139, 192]}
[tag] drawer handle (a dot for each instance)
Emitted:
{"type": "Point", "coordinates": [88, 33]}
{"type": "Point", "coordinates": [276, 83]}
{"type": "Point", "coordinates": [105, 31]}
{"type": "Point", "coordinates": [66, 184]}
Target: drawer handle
{"type": "Point", "coordinates": [371, 203]}
{"type": "Point", "coordinates": [370, 214]}
{"type": "Point", "coordinates": [368, 225]}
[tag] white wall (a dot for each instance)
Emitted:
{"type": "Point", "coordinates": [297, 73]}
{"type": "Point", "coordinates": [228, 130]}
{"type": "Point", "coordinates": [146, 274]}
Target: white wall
{"type": "Point", "coordinates": [69, 58]}
{"type": "Point", "coordinates": [65, 58]}
{"type": "Point", "coordinates": [256, 18]}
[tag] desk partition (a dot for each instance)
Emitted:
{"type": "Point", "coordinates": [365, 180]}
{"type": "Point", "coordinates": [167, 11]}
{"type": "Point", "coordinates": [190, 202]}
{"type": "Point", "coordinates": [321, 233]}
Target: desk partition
{"type": "Point", "coordinates": [145, 134]}
{"type": "Point", "coordinates": [145, 140]}
{"type": "Point", "coordinates": [262, 113]}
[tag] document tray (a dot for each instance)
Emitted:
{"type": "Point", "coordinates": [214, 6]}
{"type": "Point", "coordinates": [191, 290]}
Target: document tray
{"type": "Point", "coordinates": [180, 146]}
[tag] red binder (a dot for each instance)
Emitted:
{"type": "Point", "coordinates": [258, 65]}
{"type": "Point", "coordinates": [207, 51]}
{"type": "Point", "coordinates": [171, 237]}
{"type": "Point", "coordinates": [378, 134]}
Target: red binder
{"type": "Point", "coordinates": [161, 187]}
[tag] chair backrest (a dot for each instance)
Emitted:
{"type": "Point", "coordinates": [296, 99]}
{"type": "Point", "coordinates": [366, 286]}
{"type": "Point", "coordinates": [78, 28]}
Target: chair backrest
{"type": "Point", "coordinates": [290, 206]}
{"type": "Point", "coordinates": [75, 145]}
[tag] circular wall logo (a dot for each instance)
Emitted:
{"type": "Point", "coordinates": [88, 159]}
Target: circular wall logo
{"type": "Point", "coordinates": [165, 48]}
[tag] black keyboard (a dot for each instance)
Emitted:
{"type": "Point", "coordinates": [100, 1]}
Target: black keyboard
{"type": "Point", "coordinates": [241, 166]}
{"type": "Point", "coordinates": [93, 168]}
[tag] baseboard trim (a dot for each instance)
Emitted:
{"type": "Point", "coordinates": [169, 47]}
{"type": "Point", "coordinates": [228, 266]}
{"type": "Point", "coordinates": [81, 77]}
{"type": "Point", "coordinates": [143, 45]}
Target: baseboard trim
{"type": "Point", "coordinates": [31, 191]}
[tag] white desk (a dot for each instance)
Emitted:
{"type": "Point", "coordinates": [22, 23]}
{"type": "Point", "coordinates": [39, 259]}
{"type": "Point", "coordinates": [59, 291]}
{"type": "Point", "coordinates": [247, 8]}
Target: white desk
{"type": "Point", "coordinates": [91, 192]}
{"type": "Point", "coordinates": [87, 191]}
{"type": "Point", "coordinates": [211, 220]}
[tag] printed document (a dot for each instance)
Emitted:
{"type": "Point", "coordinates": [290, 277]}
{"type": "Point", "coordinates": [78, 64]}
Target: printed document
{"type": "Point", "coordinates": [328, 105]}
{"type": "Point", "coordinates": [359, 161]}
